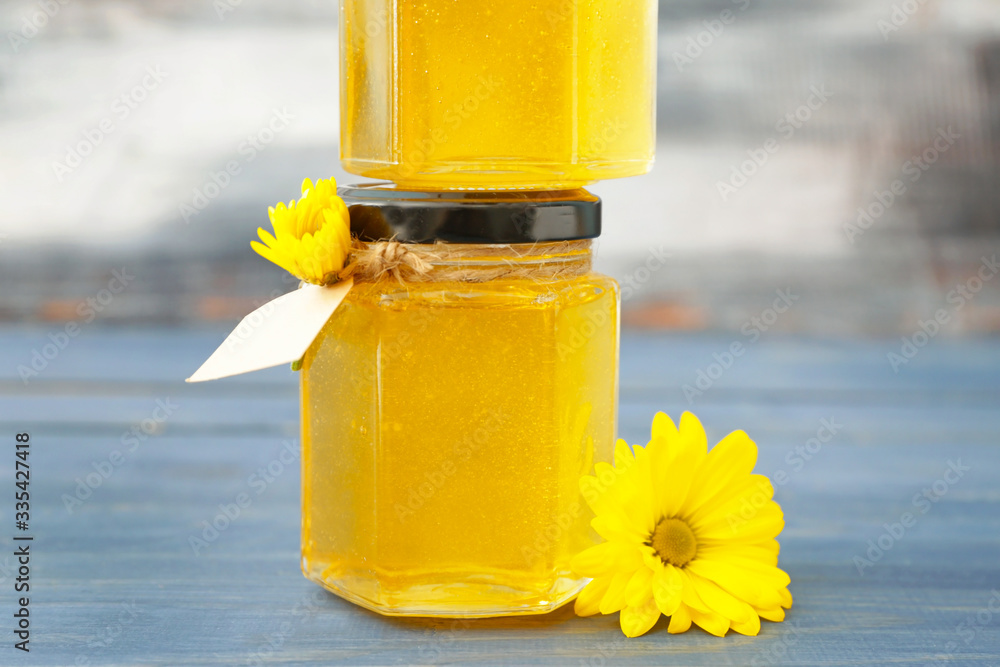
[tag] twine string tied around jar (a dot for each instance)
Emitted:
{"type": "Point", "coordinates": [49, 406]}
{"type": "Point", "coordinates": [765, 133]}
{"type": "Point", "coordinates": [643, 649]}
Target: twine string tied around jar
{"type": "Point", "coordinates": [454, 262]}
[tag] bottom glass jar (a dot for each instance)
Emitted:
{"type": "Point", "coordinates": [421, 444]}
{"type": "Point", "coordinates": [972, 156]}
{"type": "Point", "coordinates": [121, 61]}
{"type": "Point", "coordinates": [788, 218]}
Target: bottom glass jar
{"type": "Point", "coordinates": [446, 423]}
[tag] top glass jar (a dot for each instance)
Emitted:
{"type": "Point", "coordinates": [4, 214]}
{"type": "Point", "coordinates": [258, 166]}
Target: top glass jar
{"type": "Point", "coordinates": [497, 94]}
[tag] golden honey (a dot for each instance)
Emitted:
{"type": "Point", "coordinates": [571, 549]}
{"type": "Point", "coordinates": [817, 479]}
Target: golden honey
{"type": "Point", "coordinates": [539, 94]}
{"type": "Point", "coordinates": [445, 428]}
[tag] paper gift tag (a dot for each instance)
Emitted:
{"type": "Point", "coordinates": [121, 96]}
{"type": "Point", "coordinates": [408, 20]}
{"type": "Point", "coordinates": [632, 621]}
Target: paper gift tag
{"type": "Point", "coordinates": [279, 332]}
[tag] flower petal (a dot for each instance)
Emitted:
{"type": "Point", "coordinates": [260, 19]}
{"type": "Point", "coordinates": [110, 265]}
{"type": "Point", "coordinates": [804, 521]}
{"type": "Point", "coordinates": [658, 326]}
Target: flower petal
{"type": "Point", "coordinates": [595, 494]}
{"type": "Point", "coordinates": [776, 614]}
{"type": "Point", "coordinates": [605, 472]}
{"type": "Point", "coordinates": [640, 587]}
{"type": "Point", "coordinates": [692, 430]}
{"type": "Point", "coordinates": [266, 237]}
{"type": "Point", "coordinates": [765, 526]}
{"type": "Point", "coordinates": [683, 458]}
{"type": "Point", "coordinates": [623, 455]}
{"type": "Point", "coordinates": [640, 619]}
{"type": "Point", "coordinates": [736, 565]}
{"type": "Point", "coordinates": [734, 521]}
{"type": "Point", "coordinates": [711, 622]}
{"type": "Point", "coordinates": [668, 589]}
{"type": "Point", "coordinates": [749, 627]}
{"type": "Point", "coordinates": [675, 456]}
{"type": "Point", "coordinates": [606, 557]}
{"type": "Point", "coordinates": [733, 581]}
{"type": "Point", "coordinates": [720, 601]}
{"type": "Point", "coordinates": [738, 502]}
{"type": "Point", "coordinates": [760, 554]}
{"type": "Point", "coordinates": [594, 561]}
{"type": "Point", "coordinates": [614, 599]}
{"type": "Point", "coordinates": [732, 459]}
{"type": "Point", "coordinates": [641, 501]}
{"type": "Point", "coordinates": [680, 621]}
{"type": "Point", "coordinates": [649, 557]}
{"type": "Point", "coordinates": [746, 585]}
{"type": "Point", "coordinates": [613, 527]}
{"type": "Point", "coordinates": [690, 595]}
{"type": "Point", "coordinates": [273, 256]}
{"type": "Point", "coordinates": [786, 598]}
{"type": "Point", "coordinates": [608, 493]}
{"type": "Point", "coordinates": [312, 237]}
{"type": "Point", "coordinates": [589, 600]}
{"type": "Point", "coordinates": [663, 428]}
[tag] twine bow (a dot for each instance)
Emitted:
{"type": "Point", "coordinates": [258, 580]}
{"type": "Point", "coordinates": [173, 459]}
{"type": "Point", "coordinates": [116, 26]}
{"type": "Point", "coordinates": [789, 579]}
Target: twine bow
{"type": "Point", "coordinates": [370, 262]}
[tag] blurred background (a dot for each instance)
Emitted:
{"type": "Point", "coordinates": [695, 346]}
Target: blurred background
{"type": "Point", "coordinates": [117, 117]}
{"type": "Point", "coordinates": [826, 183]}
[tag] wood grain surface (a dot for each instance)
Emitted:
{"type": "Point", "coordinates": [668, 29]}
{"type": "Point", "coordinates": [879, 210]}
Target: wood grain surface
{"type": "Point", "coordinates": [116, 582]}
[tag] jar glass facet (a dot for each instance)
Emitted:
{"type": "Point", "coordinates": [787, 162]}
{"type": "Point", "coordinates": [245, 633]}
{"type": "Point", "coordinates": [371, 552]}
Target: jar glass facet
{"type": "Point", "coordinates": [497, 93]}
{"type": "Point", "coordinates": [445, 428]}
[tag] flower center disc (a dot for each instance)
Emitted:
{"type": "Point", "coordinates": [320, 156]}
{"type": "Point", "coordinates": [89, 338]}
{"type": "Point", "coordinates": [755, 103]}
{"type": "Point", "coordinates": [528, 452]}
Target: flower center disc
{"type": "Point", "coordinates": [674, 542]}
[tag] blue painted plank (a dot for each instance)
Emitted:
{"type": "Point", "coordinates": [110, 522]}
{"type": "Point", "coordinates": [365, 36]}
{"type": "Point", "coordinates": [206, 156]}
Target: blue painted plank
{"type": "Point", "coordinates": [122, 560]}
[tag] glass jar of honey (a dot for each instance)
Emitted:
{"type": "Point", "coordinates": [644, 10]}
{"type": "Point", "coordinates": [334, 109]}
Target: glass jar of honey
{"type": "Point", "coordinates": [502, 94]}
{"type": "Point", "coordinates": [448, 414]}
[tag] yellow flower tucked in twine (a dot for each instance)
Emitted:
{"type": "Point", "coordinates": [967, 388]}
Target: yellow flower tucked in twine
{"type": "Point", "coordinates": [312, 237]}
{"type": "Point", "coordinates": [690, 535]}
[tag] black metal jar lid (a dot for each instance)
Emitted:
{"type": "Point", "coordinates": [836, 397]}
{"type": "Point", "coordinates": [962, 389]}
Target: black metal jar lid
{"type": "Point", "coordinates": [382, 211]}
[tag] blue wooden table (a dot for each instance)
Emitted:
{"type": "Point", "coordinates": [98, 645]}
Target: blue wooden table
{"type": "Point", "coordinates": [116, 581]}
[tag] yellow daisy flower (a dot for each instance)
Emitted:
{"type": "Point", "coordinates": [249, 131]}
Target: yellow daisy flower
{"type": "Point", "coordinates": [312, 237]}
{"type": "Point", "coordinates": [690, 535]}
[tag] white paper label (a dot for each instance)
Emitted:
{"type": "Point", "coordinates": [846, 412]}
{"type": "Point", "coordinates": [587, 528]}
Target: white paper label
{"type": "Point", "coordinates": [279, 332]}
